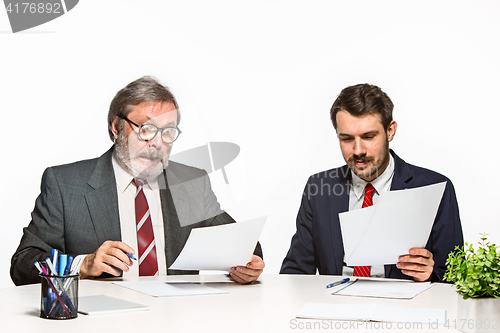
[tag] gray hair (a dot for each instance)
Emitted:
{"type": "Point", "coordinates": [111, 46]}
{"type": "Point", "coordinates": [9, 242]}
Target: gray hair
{"type": "Point", "coordinates": [145, 89]}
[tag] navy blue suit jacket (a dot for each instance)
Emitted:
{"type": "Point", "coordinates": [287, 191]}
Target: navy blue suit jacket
{"type": "Point", "coordinates": [317, 243]}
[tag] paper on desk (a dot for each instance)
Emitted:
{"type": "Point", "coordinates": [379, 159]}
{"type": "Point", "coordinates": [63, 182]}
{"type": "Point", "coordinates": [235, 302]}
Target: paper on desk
{"type": "Point", "coordinates": [384, 289]}
{"type": "Point", "coordinates": [220, 247]}
{"type": "Point", "coordinates": [371, 312]}
{"type": "Point", "coordinates": [400, 220]}
{"type": "Point", "coordinates": [169, 288]}
{"type": "Point", "coordinates": [105, 304]}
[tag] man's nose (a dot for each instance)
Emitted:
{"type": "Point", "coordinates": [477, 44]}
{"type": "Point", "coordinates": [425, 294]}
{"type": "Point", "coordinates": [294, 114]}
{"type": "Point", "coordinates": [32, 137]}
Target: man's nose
{"type": "Point", "coordinates": [156, 141]}
{"type": "Point", "coordinates": [359, 147]}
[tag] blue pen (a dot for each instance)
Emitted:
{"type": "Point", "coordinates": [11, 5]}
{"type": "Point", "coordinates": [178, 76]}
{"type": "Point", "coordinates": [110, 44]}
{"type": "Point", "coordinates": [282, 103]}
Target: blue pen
{"type": "Point", "coordinates": [63, 261]}
{"type": "Point", "coordinates": [128, 254]}
{"type": "Point", "coordinates": [68, 265]}
{"type": "Point", "coordinates": [338, 283]}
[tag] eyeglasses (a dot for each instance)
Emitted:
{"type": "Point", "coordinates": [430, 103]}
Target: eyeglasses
{"type": "Point", "coordinates": [147, 132]}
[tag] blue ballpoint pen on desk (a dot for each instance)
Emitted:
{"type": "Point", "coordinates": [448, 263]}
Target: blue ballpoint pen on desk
{"type": "Point", "coordinates": [338, 283]}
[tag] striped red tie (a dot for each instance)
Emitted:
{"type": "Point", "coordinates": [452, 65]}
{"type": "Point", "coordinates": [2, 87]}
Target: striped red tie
{"type": "Point", "coordinates": [148, 265]}
{"type": "Point", "coordinates": [364, 271]}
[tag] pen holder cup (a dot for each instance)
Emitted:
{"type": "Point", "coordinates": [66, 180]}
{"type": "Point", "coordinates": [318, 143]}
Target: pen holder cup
{"type": "Point", "coordinates": [59, 296]}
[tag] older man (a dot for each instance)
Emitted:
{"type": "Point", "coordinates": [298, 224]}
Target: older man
{"type": "Point", "coordinates": [129, 201]}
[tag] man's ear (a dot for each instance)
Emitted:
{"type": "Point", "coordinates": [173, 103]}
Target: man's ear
{"type": "Point", "coordinates": [114, 127]}
{"type": "Point", "coordinates": [391, 130]}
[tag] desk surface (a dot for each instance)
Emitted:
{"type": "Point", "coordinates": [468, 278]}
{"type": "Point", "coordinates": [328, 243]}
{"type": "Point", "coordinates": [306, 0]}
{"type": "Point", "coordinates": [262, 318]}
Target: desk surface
{"type": "Point", "coordinates": [267, 306]}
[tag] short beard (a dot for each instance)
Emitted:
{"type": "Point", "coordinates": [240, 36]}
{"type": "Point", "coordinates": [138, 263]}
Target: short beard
{"type": "Point", "coordinates": [375, 170]}
{"type": "Point", "coordinates": [122, 153]}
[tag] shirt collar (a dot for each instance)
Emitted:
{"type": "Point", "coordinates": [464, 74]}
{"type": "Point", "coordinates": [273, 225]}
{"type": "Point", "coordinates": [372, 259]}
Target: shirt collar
{"type": "Point", "coordinates": [381, 183]}
{"type": "Point", "coordinates": [124, 178]}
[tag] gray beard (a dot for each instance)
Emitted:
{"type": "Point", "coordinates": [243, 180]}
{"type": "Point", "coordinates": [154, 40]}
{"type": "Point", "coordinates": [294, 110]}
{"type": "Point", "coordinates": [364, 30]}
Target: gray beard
{"type": "Point", "coordinates": [123, 156]}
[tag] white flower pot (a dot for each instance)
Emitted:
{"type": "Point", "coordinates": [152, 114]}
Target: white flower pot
{"type": "Point", "coordinates": [478, 315]}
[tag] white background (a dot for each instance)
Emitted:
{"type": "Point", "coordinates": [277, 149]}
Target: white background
{"type": "Point", "coordinates": [261, 74]}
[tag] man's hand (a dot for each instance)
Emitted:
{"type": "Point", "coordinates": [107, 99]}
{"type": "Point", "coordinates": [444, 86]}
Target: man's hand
{"type": "Point", "coordinates": [418, 263]}
{"type": "Point", "coordinates": [109, 255]}
{"type": "Point", "coordinates": [250, 272]}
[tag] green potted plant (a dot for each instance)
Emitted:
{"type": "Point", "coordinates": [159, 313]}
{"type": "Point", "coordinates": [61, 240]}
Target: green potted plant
{"type": "Point", "coordinates": [476, 276]}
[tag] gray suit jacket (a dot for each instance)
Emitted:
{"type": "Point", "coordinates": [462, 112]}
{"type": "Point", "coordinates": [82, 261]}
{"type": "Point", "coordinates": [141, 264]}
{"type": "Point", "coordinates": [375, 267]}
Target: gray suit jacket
{"type": "Point", "coordinates": [77, 210]}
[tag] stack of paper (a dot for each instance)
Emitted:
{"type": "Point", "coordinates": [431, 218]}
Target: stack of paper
{"type": "Point", "coordinates": [104, 304]}
{"type": "Point", "coordinates": [170, 288]}
{"type": "Point", "coordinates": [371, 313]}
{"type": "Point", "coordinates": [399, 221]}
{"type": "Point", "coordinates": [220, 247]}
{"type": "Point", "coordinates": [382, 288]}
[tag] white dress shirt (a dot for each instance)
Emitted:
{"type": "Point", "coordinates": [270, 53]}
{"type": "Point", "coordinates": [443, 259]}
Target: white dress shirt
{"type": "Point", "coordinates": [356, 198]}
{"type": "Point", "coordinates": [126, 208]}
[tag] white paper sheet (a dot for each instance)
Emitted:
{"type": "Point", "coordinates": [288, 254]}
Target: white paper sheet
{"type": "Point", "coordinates": [105, 304]}
{"type": "Point", "coordinates": [384, 289]}
{"type": "Point", "coordinates": [400, 220]}
{"type": "Point", "coordinates": [169, 288]}
{"type": "Point", "coordinates": [371, 312]}
{"type": "Point", "coordinates": [220, 247]}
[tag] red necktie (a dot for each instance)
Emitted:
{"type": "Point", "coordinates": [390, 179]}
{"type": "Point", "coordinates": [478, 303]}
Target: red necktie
{"type": "Point", "coordinates": [148, 265]}
{"type": "Point", "coordinates": [364, 271]}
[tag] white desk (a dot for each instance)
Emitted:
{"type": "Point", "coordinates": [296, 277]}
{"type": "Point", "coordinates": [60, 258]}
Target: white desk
{"type": "Point", "coordinates": [267, 306]}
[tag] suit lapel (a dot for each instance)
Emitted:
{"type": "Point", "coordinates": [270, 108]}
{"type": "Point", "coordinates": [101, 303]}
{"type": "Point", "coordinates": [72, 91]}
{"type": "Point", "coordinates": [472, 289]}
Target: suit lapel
{"type": "Point", "coordinates": [102, 202]}
{"type": "Point", "coordinates": [175, 236]}
{"type": "Point", "coordinates": [402, 174]}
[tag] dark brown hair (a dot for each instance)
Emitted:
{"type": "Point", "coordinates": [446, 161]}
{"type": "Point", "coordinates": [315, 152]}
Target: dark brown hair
{"type": "Point", "coordinates": [363, 99]}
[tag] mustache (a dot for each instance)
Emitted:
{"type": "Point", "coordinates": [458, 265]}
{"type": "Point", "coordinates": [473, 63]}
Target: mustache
{"type": "Point", "coordinates": [360, 158]}
{"type": "Point", "coordinates": [150, 153]}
